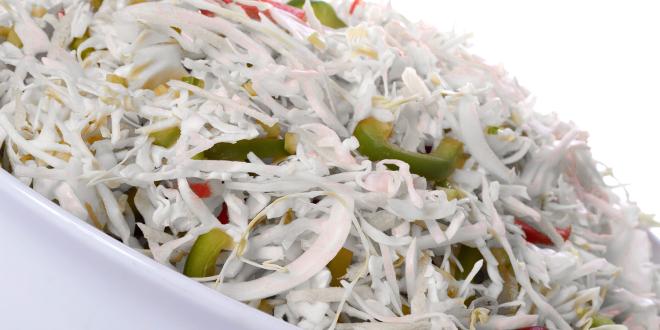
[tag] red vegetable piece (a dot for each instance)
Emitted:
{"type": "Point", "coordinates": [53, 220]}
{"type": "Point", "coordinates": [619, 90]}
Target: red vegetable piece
{"type": "Point", "coordinates": [223, 217]}
{"type": "Point", "coordinates": [253, 12]}
{"type": "Point", "coordinates": [565, 233]}
{"type": "Point", "coordinates": [202, 190]}
{"type": "Point", "coordinates": [207, 13]}
{"type": "Point", "coordinates": [536, 237]}
{"type": "Point", "coordinates": [297, 12]}
{"type": "Point", "coordinates": [532, 235]}
{"type": "Point", "coordinates": [353, 6]}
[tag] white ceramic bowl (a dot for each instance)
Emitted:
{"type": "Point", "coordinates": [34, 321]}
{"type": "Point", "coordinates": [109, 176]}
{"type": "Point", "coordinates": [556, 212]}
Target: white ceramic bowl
{"type": "Point", "coordinates": [58, 272]}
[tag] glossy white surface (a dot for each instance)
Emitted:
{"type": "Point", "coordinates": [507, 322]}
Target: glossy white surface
{"type": "Point", "coordinates": [58, 272]}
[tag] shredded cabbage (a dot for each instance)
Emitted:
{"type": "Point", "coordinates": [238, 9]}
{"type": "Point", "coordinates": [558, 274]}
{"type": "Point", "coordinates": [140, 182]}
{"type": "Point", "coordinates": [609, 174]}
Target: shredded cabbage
{"type": "Point", "coordinates": [112, 110]}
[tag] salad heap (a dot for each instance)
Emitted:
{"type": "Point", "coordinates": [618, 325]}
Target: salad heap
{"type": "Point", "coordinates": [331, 164]}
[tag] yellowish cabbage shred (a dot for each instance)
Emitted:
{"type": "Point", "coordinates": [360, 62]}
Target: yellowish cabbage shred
{"type": "Point", "coordinates": [84, 90]}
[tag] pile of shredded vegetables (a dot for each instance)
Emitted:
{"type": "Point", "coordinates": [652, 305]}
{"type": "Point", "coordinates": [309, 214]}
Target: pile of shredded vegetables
{"type": "Point", "coordinates": [221, 139]}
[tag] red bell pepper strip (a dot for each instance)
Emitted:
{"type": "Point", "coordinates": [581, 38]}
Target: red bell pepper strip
{"type": "Point", "coordinates": [536, 237]}
{"type": "Point", "coordinates": [223, 217]}
{"type": "Point", "coordinates": [207, 13]}
{"type": "Point", "coordinates": [353, 6]}
{"type": "Point", "coordinates": [202, 190]}
{"type": "Point", "coordinates": [297, 12]}
{"type": "Point", "coordinates": [565, 233]}
{"type": "Point", "coordinates": [253, 12]}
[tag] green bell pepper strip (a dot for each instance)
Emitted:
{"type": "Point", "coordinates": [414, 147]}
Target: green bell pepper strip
{"type": "Point", "coordinates": [193, 81]}
{"type": "Point", "coordinates": [450, 149]}
{"type": "Point", "coordinates": [598, 320]}
{"type": "Point", "coordinates": [263, 147]}
{"type": "Point", "coordinates": [323, 11]}
{"type": "Point", "coordinates": [204, 253]}
{"type": "Point", "coordinates": [13, 38]}
{"type": "Point", "coordinates": [96, 5]}
{"type": "Point", "coordinates": [468, 256]}
{"type": "Point", "coordinates": [76, 42]}
{"type": "Point", "coordinates": [492, 130]}
{"type": "Point", "coordinates": [373, 136]}
{"type": "Point", "coordinates": [167, 137]}
{"type": "Point", "coordinates": [338, 266]}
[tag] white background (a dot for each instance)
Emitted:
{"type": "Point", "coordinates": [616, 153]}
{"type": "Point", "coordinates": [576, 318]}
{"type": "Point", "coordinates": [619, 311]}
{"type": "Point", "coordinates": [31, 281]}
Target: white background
{"type": "Point", "coordinates": [596, 63]}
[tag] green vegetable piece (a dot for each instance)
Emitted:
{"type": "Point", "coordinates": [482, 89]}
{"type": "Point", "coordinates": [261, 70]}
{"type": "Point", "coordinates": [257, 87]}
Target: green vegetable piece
{"type": "Point", "coordinates": [115, 79]}
{"type": "Point", "coordinates": [199, 156]}
{"type": "Point", "coordinates": [492, 130]}
{"type": "Point", "coordinates": [75, 43]}
{"type": "Point", "coordinates": [95, 4]}
{"type": "Point", "coordinates": [4, 31]}
{"type": "Point", "coordinates": [452, 193]}
{"type": "Point", "coordinates": [193, 81]}
{"type": "Point", "coordinates": [265, 307]}
{"type": "Point", "coordinates": [271, 131]}
{"type": "Point", "coordinates": [204, 253]}
{"type": "Point", "coordinates": [249, 89]}
{"type": "Point", "coordinates": [13, 38]}
{"type": "Point", "coordinates": [86, 53]}
{"type": "Point", "coordinates": [131, 203]}
{"type": "Point", "coordinates": [468, 256]}
{"type": "Point", "coordinates": [450, 148]}
{"type": "Point", "coordinates": [327, 15]}
{"type": "Point", "coordinates": [296, 3]}
{"type": "Point", "coordinates": [600, 320]}
{"type": "Point", "coordinates": [373, 136]}
{"type": "Point", "coordinates": [272, 148]}
{"type": "Point", "coordinates": [510, 287]}
{"type": "Point", "coordinates": [338, 266]}
{"type": "Point", "coordinates": [167, 137]}
{"type": "Point", "coordinates": [323, 11]}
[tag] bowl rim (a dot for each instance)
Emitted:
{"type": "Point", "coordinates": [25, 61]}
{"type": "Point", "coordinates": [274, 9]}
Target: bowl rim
{"type": "Point", "coordinates": [196, 296]}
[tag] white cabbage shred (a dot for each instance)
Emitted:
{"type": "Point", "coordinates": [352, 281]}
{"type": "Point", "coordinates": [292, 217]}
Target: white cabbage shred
{"type": "Point", "coordinates": [77, 130]}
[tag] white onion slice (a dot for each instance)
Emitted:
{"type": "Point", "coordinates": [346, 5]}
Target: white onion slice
{"type": "Point", "coordinates": [475, 141]}
{"type": "Point", "coordinates": [331, 238]}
